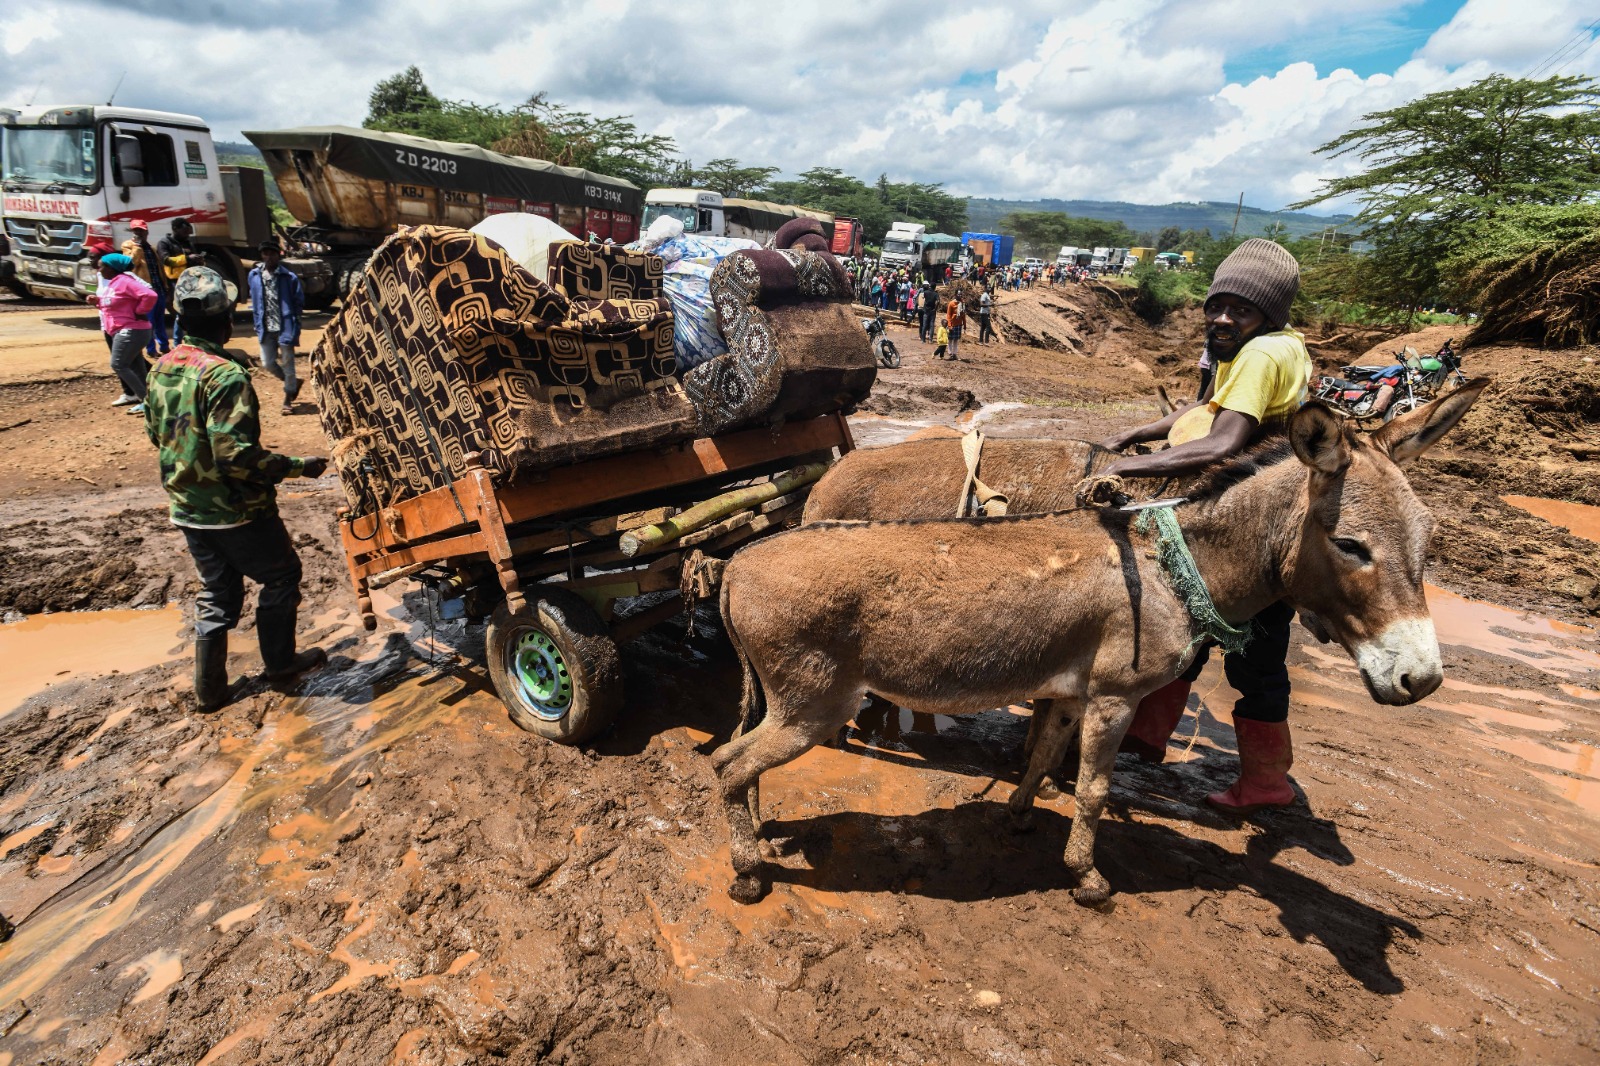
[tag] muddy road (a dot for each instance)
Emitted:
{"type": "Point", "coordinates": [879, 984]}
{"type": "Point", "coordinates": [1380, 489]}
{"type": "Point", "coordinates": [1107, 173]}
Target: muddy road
{"type": "Point", "coordinates": [382, 869]}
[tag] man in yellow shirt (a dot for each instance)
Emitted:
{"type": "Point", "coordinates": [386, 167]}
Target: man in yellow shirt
{"type": "Point", "coordinates": [1262, 370]}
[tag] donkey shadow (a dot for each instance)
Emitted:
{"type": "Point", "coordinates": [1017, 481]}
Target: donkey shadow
{"type": "Point", "coordinates": [966, 854]}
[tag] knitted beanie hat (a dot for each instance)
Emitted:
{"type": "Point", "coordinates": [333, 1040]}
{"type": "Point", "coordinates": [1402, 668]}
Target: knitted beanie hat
{"type": "Point", "coordinates": [1263, 273]}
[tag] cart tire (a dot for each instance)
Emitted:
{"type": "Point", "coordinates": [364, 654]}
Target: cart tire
{"type": "Point", "coordinates": [555, 666]}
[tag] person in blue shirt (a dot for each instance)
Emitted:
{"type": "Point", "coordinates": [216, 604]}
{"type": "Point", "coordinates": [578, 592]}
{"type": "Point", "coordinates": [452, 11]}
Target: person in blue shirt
{"type": "Point", "coordinates": [277, 300]}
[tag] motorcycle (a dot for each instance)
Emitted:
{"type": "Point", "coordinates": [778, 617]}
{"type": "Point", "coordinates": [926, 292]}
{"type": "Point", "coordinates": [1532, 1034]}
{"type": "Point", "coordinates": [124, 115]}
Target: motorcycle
{"type": "Point", "coordinates": [883, 349]}
{"type": "Point", "coordinates": [1386, 392]}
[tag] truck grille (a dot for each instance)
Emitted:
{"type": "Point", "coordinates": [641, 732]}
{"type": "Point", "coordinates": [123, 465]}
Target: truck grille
{"type": "Point", "coordinates": [47, 238]}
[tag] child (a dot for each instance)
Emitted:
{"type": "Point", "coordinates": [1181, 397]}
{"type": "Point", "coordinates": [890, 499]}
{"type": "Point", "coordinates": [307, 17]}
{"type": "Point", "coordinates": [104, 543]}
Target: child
{"type": "Point", "coordinates": [941, 337]}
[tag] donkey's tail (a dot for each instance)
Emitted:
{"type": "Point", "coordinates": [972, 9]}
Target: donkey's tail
{"type": "Point", "coordinates": [752, 701]}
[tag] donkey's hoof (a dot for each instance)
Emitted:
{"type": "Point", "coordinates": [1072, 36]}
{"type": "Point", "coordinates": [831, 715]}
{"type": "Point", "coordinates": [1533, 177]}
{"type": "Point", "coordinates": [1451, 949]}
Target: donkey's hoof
{"type": "Point", "coordinates": [747, 889]}
{"type": "Point", "coordinates": [1020, 821]}
{"type": "Point", "coordinates": [1093, 890]}
{"type": "Point", "coordinates": [1048, 789]}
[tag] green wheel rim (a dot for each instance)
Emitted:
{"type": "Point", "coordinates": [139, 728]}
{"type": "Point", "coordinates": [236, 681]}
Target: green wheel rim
{"type": "Point", "coordinates": [541, 675]}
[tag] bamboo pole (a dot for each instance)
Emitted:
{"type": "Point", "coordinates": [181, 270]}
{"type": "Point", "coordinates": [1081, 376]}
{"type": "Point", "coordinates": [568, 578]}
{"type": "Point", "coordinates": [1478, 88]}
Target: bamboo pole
{"type": "Point", "coordinates": [648, 538]}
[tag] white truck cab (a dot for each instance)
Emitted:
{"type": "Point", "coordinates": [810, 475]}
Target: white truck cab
{"type": "Point", "coordinates": [700, 211]}
{"type": "Point", "coordinates": [75, 176]}
{"type": "Point", "coordinates": [902, 245]}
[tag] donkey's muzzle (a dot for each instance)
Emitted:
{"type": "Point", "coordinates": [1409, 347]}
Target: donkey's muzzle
{"type": "Point", "coordinates": [1401, 665]}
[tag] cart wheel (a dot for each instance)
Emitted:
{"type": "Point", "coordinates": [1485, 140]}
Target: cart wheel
{"type": "Point", "coordinates": [555, 667]}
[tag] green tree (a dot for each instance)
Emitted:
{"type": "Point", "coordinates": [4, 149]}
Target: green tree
{"type": "Point", "coordinates": [1043, 233]}
{"type": "Point", "coordinates": [1439, 167]}
{"type": "Point", "coordinates": [538, 128]}
{"type": "Point", "coordinates": [1169, 238]}
{"type": "Point", "coordinates": [729, 178]}
{"type": "Point", "coordinates": [402, 94]}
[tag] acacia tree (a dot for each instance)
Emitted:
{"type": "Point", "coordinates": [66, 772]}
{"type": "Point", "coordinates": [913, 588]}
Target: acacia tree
{"type": "Point", "coordinates": [729, 178]}
{"type": "Point", "coordinates": [1440, 166]}
{"type": "Point", "coordinates": [402, 94]}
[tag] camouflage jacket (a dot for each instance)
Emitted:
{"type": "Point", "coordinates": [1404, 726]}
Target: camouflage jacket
{"type": "Point", "coordinates": [201, 412]}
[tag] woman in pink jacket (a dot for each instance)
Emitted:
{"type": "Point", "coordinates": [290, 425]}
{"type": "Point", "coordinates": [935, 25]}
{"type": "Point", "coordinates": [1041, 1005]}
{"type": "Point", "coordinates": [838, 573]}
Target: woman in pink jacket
{"type": "Point", "coordinates": [125, 301]}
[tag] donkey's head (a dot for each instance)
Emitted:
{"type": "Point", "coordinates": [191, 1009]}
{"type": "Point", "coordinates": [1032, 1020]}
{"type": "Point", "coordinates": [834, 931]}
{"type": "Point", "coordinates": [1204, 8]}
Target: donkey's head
{"type": "Point", "coordinates": [1358, 562]}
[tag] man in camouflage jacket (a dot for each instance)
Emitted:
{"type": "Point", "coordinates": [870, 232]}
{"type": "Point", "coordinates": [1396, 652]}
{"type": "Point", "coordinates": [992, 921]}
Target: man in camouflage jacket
{"type": "Point", "coordinates": [202, 413]}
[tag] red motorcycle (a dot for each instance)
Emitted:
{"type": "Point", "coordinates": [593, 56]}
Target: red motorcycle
{"type": "Point", "coordinates": [1366, 392]}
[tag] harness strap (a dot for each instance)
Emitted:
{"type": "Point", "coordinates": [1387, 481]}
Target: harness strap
{"type": "Point", "coordinates": [976, 497]}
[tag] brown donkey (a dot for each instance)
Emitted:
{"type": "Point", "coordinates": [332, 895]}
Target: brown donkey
{"type": "Point", "coordinates": [956, 616]}
{"type": "Point", "coordinates": [923, 477]}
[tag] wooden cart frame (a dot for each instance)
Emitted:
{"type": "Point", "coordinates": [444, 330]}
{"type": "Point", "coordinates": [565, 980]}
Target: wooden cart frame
{"type": "Point", "coordinates": [552, 578]}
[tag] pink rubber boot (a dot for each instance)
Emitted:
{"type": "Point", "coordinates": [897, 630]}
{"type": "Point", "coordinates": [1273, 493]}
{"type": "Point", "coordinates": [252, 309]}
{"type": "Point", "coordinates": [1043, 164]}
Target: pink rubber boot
{"type": "Point", "coordinates": [1155, 720]}
{"type": "Point", "coordinates": [1265, 755]}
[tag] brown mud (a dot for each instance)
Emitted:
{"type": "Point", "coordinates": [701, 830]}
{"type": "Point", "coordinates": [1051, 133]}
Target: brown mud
{"type": "Point", "coordinates": [381, 868]}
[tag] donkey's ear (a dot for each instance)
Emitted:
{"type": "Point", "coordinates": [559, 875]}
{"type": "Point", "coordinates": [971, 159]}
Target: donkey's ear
{"type": "Point", "coordinates": [1415, 432]}
{"type": "Point", "coordinates": [1319, 439]}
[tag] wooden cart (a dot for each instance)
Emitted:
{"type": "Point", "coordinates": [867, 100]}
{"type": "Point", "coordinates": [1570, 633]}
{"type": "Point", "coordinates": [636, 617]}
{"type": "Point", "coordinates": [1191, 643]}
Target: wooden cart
{"type": "Point", "coordinates": [547, 560]}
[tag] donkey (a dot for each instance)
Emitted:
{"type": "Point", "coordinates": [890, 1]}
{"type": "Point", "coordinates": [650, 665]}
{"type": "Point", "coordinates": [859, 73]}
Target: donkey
{"type": "Point", "coordinates": [954, 616]}
{"type": "Point", "coordinates": [923, 477]}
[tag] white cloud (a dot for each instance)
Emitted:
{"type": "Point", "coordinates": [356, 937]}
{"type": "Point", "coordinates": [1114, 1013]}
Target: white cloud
{"type": "Point", "coordinates": [1111, 99]}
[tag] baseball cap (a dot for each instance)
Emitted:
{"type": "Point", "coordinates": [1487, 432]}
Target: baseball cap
{"type": "Point", "coordinates": [139, 223]}
{"type": "Point", "coordinates": [200, 292]}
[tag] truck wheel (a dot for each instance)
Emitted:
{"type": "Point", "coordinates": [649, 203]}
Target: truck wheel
{"type": "Point", "coordinates": [555, 666]}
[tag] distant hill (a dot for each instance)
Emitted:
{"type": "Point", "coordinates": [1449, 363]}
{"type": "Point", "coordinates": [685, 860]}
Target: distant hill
{"type": "Point", "coordinates": [984, 215]}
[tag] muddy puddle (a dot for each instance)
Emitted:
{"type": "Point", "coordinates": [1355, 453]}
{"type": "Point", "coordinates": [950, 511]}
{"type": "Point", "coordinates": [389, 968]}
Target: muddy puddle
{"type": "Point", "coordinates": [1579, 519]}
{"type": "Point", "coordinates": [1561, 648]}
{"type": "Point", "coordinates": [47, 649]}
{"type": "Point", "coordinates": [275, 803]}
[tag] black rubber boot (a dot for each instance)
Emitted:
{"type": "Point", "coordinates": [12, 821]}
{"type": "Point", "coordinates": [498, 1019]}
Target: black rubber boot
{"type": "Point", "coordinates": [211, 672]}
{"type": "Point", "coordinates": [275, 629]}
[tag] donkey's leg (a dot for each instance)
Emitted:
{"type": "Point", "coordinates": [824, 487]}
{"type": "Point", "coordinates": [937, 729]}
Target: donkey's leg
{"type": "Point", "coordinates": [1055, 721]}
{"type": "Point", "coordinates": [784, 735]}
{"type": "Point", "coordinates": [1041, 711]}
{"type": "Point", "coordinates": [1103, 724]}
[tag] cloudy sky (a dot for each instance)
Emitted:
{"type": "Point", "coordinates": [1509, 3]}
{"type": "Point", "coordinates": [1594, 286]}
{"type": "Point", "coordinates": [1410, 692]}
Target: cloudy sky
{"type": "Point", "coordinates": [1147, 101]}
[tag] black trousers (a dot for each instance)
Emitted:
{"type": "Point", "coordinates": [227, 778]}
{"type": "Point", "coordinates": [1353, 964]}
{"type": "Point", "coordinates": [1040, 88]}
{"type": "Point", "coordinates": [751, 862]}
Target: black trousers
{"type": "Point", "coordinates": [1261, 673]}
{"type": "Point", "coordinates": [260, 551]}
{"type": "Point", "coordinates": [925, 325]}
{"type": "Point", "coordinates": [985, 331]}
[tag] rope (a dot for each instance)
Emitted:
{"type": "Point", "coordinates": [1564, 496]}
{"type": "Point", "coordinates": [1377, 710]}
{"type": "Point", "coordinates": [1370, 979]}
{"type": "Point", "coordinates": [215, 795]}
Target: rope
{"type": "Point", "coordinates": [1184, 576]}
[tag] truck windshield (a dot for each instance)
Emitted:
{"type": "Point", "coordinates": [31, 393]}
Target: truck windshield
{"type": "Point", "coordinates": [682, 212]}
{"type": "Point", "coordinates": [49, 154]}
{"type": "Point", "coordinates": [900, 247]}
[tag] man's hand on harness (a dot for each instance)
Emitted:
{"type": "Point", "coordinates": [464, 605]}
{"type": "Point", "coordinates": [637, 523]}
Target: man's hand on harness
{"type": "Point", "coordinates": [1230, 432]}
{"type": "Point", "coordinates": [1100, 489]}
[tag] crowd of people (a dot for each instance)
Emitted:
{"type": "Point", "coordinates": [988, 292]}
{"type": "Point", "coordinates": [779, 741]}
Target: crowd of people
{"type": "Point", "coordinates": [138, 315]}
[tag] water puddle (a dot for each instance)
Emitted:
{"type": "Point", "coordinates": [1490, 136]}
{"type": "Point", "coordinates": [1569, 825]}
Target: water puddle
{"type": "Point", "coordinates": [312, 742]}
{"type": "Point", "coordinates": [973, 419]}
{"type": "Point", "coordinates": [1579, 519]}
{"type": "Point", "coordinates": [47, 649]}
{"type": "Point", "coordinates": [1538, 642]}
{"type": "Point", "coordinates": [873, 430]}
{"type": "Point", "coordinates": [160, 969]}
{"type": "Point", "coordinates": [1570, 769]}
